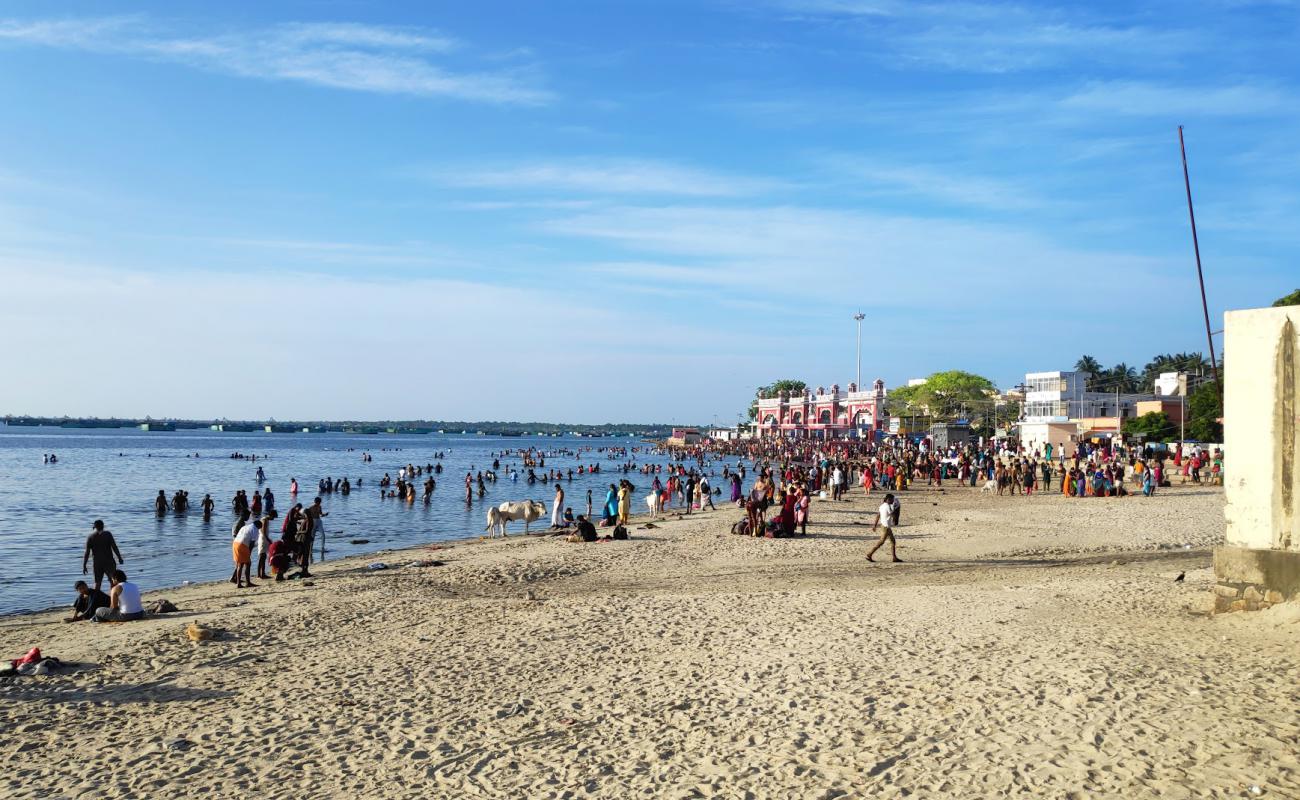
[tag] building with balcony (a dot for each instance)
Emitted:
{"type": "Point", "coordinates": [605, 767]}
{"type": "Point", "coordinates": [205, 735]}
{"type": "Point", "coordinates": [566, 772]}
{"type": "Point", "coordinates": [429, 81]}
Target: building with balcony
{"type": "Point", "coordinates": [1059, 407]}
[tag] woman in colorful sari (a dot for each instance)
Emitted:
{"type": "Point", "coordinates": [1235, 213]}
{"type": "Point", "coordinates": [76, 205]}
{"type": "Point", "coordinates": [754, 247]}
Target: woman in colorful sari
{"type": "Point", "coordinates": [786, 519]}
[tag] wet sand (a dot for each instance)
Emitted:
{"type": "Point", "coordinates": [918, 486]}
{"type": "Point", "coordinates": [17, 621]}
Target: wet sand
{"type": "Point", "coordinates": [1035, 646]}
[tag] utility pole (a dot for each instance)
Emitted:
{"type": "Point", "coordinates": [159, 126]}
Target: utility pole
{"type": "Point", "coordinates": [1119, 414]}
{"type": "Point", "coordinates": [859, 317]}
{"type": "Point", "coordinates": [1182, 418]}
{"type": "Point", "coordinates": [1200, 276]}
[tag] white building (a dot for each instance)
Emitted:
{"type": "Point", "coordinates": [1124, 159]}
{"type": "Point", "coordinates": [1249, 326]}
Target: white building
{"type": "Point", "coordinates": [1171, 384]}
{"type": "Point", "coordinates": [1063, 396]}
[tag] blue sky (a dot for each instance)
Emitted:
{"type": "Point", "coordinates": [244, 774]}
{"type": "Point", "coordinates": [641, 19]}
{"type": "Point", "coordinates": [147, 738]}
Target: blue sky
{"type": "Point", "coordinates": [620, 211]}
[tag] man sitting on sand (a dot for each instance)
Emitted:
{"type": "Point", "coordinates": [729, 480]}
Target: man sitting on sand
{"type": "Point", "coordinates": [87, 603]}
{"type": "Point", "coordinates": [586, 531]}
{"type": "Point", "coordinates": [124, 601]}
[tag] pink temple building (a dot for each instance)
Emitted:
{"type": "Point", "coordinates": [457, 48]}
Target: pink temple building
{"type": "Point", "coordinates": [823, 414]}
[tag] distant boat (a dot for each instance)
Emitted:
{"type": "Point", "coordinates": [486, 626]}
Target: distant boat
{"type": "Point", "coordinates": [157, 426]}
{"type": "Point", "coordinates": [236, 427]}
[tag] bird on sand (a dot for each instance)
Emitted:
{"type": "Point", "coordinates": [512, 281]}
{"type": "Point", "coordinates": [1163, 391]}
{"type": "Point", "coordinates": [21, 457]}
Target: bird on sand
{"type": "Point", "coordinates": [1180, 577]}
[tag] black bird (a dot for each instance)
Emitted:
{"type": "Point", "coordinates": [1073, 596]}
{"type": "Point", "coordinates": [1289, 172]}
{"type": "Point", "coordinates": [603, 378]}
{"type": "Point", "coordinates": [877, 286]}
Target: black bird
{"type": "Point", "coordinates": [1180, 577]}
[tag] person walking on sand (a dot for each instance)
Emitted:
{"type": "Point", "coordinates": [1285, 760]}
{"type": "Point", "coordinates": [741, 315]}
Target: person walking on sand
{"type": "Point", "coordinates": [886, 515]}
{"type": "Point", "coordinates": [102, 552]}
{"type": "Point", "coordinates": [706, 494]}
{"type": "Point", "coordinates": [557, 508]}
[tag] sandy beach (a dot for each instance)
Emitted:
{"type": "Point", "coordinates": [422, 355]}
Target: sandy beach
{"type": "Point", "coordinates": [1027, 646]}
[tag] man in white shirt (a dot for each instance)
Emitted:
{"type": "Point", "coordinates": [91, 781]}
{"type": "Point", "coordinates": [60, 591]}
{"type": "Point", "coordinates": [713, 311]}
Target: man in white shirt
{"type": "Point", "coordinates": [885, 516]}
{"type": "Point", "coordinates": [242, 551]}
{"type": "Point", "coordinates": [124, 601]}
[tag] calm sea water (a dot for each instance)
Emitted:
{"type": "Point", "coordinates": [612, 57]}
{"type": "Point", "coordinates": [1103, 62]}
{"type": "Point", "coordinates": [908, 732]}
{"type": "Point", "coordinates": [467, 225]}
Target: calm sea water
{"type": "Point", "coordinates": [46, 510]}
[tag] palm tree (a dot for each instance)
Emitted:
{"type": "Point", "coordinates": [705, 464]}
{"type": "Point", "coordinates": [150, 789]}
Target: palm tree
{"type": "Point", "coordinates": [1158, 364]}
{"type": "Point", "coordinates": [1088, 364]}
{"type": "Point", "coordinates": [1121, 377]}
{"type": "Point", "coordinates": [1091, 366]}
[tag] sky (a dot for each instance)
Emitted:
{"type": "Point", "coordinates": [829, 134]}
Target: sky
{"type": "Point", "coordinates": [625, 210]}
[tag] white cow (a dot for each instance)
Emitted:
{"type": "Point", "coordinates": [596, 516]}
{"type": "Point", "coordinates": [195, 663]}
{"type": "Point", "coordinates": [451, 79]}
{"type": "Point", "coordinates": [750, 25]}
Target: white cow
{"type": "Point", "coordinates": [527, 510]}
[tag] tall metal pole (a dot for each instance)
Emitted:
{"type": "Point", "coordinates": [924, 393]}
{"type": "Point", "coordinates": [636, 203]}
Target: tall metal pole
{"type": "Point", "coordinates": [859, 317]}
{"type": "Point", "coordinates": [1200, 276]}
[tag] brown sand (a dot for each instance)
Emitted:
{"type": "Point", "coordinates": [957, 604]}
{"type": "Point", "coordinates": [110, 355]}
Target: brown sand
{"type": "Point", "coordinates": [1034, 646]}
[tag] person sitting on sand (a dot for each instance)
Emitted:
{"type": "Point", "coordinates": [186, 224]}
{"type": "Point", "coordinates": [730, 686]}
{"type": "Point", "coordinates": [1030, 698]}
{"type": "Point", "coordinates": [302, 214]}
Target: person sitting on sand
{"type": "Point", "coordinates": [87, 603]}
{"type": "Point", "coordinates": [586, 532]}
{"type": "Point", "coordinates": [123, 601]}
{"type": "Point", "coordinates": [281, 552]}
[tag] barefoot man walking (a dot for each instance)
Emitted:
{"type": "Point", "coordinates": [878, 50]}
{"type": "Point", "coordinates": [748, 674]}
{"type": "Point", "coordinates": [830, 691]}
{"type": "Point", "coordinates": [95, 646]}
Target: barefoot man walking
{"type": "Point", "coordinates": [885, 516]}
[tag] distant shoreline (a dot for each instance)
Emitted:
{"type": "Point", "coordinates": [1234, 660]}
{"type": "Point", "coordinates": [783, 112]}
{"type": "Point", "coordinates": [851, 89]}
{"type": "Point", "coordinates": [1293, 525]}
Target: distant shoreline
{"type": "Point", "coordinates": [353, 428]}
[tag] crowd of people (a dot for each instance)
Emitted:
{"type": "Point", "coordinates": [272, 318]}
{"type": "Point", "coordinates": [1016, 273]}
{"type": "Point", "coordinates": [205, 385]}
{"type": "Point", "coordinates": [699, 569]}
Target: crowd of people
{"type": "Point", "coordinates": [773, 481]}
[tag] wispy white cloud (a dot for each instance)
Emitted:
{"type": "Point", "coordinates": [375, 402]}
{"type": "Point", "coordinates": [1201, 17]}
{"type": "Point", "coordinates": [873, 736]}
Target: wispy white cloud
{"type": "Point", "coordinates": [948, 186]}
{"type": "Point", "coordinates": [353, 56]}
{"type": "Point", "coordinates": [1138, 98]}
{"type": "Point", "coordinates": [823, 254]}
{"type": "Point", "coordinates": [992, 37]}
{"type": "Point", "coordinates": [601, 177]}
{"type": "Point", "coordinates": [651, 272]}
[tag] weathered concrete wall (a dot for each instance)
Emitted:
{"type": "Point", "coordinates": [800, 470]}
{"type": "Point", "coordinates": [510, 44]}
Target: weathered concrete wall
{"type": "Point", "coordinates": [1262, 443]}
{"type": "Point", "coordinates": [1260, 427]}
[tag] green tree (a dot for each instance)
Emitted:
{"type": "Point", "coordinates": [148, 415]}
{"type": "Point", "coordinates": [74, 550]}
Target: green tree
{"type": "Point", "coordinates": [1292, 299]}
{"type": "Point", "coordinates": [1204, 410]}
{"type": "Point", "coordinates": [945, 395]}
{"type": "Point", "coordinates": [1156, 426]}
{"type": "Point", "coordinates": [1121, 377]}
{"type": "Point", "coordinates": [790, 385]}
{"type": "Point", "coordinates": [1088, 364]}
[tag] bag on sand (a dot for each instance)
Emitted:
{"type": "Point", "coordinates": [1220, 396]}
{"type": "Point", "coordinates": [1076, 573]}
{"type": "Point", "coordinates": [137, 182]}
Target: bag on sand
{"type": "Point", "coordinates": [162, 606]}
{"type": "Point", "coordinates": [620, 532]}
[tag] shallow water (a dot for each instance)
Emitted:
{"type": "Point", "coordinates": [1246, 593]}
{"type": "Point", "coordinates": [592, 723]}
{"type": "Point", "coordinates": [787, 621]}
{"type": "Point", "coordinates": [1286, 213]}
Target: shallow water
{"type": "Point", "coordinates": [46, 510]}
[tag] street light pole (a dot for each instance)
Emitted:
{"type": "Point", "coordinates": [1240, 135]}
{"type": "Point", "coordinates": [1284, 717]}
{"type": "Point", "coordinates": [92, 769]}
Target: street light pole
{"type": "Point", "coordinates": [859, 317]}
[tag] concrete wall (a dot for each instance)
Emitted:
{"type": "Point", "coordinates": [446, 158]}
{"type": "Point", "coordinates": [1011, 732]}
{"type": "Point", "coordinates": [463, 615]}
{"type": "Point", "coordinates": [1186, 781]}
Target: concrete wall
{"type": "Point", "coordinates": [1259, 564]}
{"type": "Point", "coordinates": [1260, 427]}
